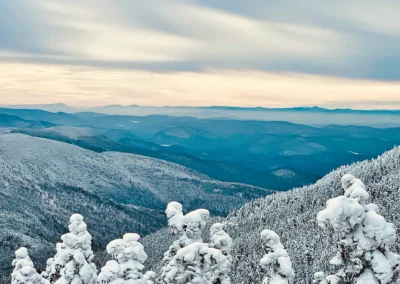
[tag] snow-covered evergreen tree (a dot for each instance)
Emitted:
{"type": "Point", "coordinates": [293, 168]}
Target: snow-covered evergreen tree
{"type": "Point", "coordinates": [319, 278]}
{"type": "Point", "coordinates": [128, 268]}
{"type": "Point", "coordinates": [190, 227]}
{"type": "Point", "coordinates": [219, 239]}
{"type": "Point", "coordinates": [49, 264]}
{"type": "Point", "coordinates": [276, 261]}
{"type": "Point", "coordinates": [197, 263]}
{"type": "Point", "coordinates": [364, 237]}
{"type": "Point", "coordinates": [110, 274]}
{"type": "Point", "coordinates": [73, 261]}
{"type": "Point", "coordinates": [24, 271]}
{"type": "Point", "coordinates": [21, 259]}
{"type": "Point", "coordinates": [149, 277]}
{"type": "Point", "coordinates": [175, 217]}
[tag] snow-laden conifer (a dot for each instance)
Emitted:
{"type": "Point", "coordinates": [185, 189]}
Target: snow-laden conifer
{"type": "Point", "coordinates": [276, 261]}
{"type": "Point", "coordinates": [128, 267]}
{"type": "Point", "coordinates": [24, 271]}
{"type": "Point", "coordinates": [364, 237]}
{"type": "Point", "coordinates": [319, 278]}
{"type": "Point", "coordinates": [149, 277]}
{"type": "Point", "coordinates": [219, 239]}
{"type": "Point", "coordinates": [110, 274]}
{"type": "Point", "coordinates": [73, 261]}
{"type": "Point", "coordinates": [49, 264]}
{"type": "Point", "coordinates": [175, 217]}
{"type": "Point", "coordinates": [197, 263]}
{"type": "Point", "coordinates": [189, 227]}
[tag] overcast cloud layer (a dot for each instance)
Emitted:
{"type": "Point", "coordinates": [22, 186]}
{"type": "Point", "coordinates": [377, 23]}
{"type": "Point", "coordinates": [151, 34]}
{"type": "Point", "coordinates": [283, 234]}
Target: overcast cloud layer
{"type": "Point", "coordinates": [182, 52]}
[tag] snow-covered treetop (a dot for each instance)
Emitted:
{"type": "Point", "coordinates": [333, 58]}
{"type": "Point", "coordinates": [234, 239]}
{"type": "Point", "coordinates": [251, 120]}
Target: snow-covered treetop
{"type": "Point", "coordinates": [197, 263]}
{"type": "Point", "coordinates": [194, 223]}
{"type": "Point", "coordinates": [354, 188]}
{"type": "Point", "coordinates": [22, 253]}
{"type": "Point", "coordinates": [220, 239]}
{"type": "Point", "coordinates": [115, 247]}
{"type": "Point", "coordinates": [276, 261]}
{"type": "Point", "coordinates": [28, 275]}
{"type": "Point", "coordinates": [109, 273]}
{"type": "Point", "coordinates": [341, 213]}
{"type": "Point", "coordinates": [22, 258]}
{"type": "Point", "coordinates": [363, 254]}
{"type": "Point", "coordinates": [319, 278]}
{"type": "Point", "coordinates": [133, 249]}
{"type": "Point", "coordinates": [175, 217]}
{"type": "Point", "coordinates": [130, 256]}
{"type": "Point", "coordinates": [24, 271]}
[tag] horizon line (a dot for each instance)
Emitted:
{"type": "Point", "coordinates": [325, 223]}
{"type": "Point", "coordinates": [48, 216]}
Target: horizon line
{"type": "Point", "coordinates": [312, 107]}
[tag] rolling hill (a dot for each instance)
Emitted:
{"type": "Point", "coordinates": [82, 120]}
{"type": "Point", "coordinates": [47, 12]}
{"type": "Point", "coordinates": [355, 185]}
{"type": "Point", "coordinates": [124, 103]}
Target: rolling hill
{"type": "Point", "coordinates": [42, 182]}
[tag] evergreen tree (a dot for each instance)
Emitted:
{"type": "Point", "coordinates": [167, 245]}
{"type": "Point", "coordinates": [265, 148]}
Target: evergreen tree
{"type": "Point", "coordinates": [364, 237]}
{"type": "Point", "coordinates": [175, 217]}
{"type": "Point", "coordinates": [319, 278]}
{"type": "Point", "coordinates": [197, 264]}
{"type": "Point", "coordinates": [128, 268]}
{"type": "Point", "coordinates": [219, 239]}
{"type": "Point", "coordinates": [47, 272]}
{"type": "Point", "coordinates": [192, 225]}
{"type": "Point", "coordinates": [276, 261]}
{"type": "Point", "coordinates": [73, 261]}
{"type": "Point", "coordinates": [110, 274]}
{"type": "Point", "coordinates": [24, 272]}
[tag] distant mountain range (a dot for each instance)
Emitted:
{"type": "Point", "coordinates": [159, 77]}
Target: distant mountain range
{"type": "Point", "coordinates": [304, 115]}
{"type": "Point", "coordinates": [271, 154]}
{"type": "Point", "coordinates": [60, 107]}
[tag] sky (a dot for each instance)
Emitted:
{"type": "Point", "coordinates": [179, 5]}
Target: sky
{"type": "Point", "coordinates": [207, 52]}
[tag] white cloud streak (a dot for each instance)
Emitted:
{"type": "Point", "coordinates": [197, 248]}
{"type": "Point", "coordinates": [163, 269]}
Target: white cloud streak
{"type": "Point", "coordinates": [99, 30]}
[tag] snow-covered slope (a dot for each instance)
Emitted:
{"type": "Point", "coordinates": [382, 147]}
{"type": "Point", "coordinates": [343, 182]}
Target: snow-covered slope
{"type": "Point", "coordinates": [42, 182]}
{"type": "Point", "coordinates": [125, 178]}
{"type": "Point", "coordinates": [293, 215]}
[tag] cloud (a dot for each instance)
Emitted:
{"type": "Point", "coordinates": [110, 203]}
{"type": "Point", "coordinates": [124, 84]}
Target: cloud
{"type": "Point", "coordinates": [164, 31]}
{"type": "Point", "coordinates": [35, 83]}
{"type": "Point", "coordinates": [201, 52]}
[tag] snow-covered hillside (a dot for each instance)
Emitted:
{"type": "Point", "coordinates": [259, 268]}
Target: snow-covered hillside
{"type": "Point", "coordinates": [293, 216]}
{"type": "Point", "coordinates": [119, 176]}
{"type": "Point", "coordinates": [42, 182]}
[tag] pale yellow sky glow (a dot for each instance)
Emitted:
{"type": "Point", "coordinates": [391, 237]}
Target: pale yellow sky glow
{"type": "Point", "coordinates": [30, 83]}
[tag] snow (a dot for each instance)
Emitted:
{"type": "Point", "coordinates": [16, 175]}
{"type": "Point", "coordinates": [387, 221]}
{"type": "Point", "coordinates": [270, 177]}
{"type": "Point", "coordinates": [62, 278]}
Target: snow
{"type": "Point", "coordinates": [129, 264]}
{"type": "Point", "coordinates": [73, 261]}
{"type": "Point", "coordinates": [175, 217]}
{"type": "Point", "coordinates": [35, 161]}
{"type": "Point", "coordinates": [276, 261]}
{"type": "Point", "coordinates": [188, 259]}
{"type": "Point", "coordinates": [24, 271]}
{"type": "Point", "coordinates": [70, 131]}
{"type": "Point", "coordinates": [364, 236]}
{"type": "Point", "coordinates": [220, 239]}
{"type": "Point", "coordinates": [197, 263]}
{"type": "Point", "coordinates": [341, 212]}
{"type": "Point", "coordinates": [367, 277]}
{"type": "Point", "coordinates": [284, 173]}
